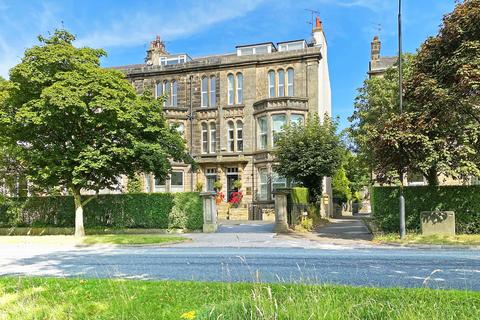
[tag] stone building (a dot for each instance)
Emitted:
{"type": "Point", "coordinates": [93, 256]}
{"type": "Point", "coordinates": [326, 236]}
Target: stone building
{"type": "Point", "coordinates": [230, 107]}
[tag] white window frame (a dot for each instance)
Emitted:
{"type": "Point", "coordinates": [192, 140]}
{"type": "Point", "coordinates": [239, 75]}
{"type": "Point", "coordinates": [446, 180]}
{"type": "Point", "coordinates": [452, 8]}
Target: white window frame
{"type": "Point", "coordinates": [290, 82]}
{"type": "Point", "coordinates": [213, 91]}
{"type": "Point", "coordinates": [262, 135]}
{"type": "Point", "coordinates": [274, 132]}
{"type": "Point", "coordinates": [239, 137]}
{"type": "Point", "coordinates": [263, 184]}
{"type": "Point", "coordinates": [230, 136]}
{"type": "Point", "coordinates": [239, 88]}
{"type": "Point", "coordinates": [204, 138]}
{"type": "Point", "coordinates": [230, 89]}
{"type": "Point", "coordinates": [204, 91]}
{"type": "Point", "coordinates": [271, 84]}
{"type": "Point", "coordinates": [213, 137]}
{"type": "Point", "coordinates": [177, 188]}
{"type": "Point", "coordinates": [281, 83]}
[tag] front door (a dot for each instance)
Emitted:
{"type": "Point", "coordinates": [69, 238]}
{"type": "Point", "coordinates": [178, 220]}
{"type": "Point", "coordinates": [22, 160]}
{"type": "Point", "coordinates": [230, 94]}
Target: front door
{"type": "Point", "coordinates": [231, 178]}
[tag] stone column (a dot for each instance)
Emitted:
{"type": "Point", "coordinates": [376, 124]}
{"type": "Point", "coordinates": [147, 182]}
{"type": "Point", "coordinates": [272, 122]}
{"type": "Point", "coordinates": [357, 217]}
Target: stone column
{"type": "Point", "coordinates": [209, 212]}
{"type": "Point", "coordinates": [281, 196]}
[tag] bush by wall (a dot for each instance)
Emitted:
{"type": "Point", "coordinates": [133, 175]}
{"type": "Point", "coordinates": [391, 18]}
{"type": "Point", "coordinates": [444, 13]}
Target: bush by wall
{"type": "Point", "coordinates": [299, 195]}
{"type": "Point", "coordinates": [463, 200]}
{"type": "Point", "coordinates": [135, 210]}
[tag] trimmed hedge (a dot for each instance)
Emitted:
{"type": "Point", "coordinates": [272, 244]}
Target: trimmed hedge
{"type": "Point", "coordinates": [135, 210]}
{"type": "Point", "coordinates": [299, 195]}
{"type": "Point", "coordinates": [463, 200]}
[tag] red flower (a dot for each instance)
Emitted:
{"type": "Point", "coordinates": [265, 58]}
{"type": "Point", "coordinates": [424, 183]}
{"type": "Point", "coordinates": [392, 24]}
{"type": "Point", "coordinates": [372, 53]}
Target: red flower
{"type": "Point", "coordinates": [236, 197]}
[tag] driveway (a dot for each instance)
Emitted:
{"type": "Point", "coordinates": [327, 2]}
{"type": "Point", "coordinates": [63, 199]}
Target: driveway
{"type": "Point", "coordinates": [394, 267]}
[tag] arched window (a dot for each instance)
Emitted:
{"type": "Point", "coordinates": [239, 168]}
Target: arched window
{"type": "Point", "coordinates": [166, 91]}
{"type": "Point", "coordinates": [213, 137]}
{"type": "Point", "coordinates": [239, 136]}
{"type": "Point", "coordinates": [204, 138]}
{"type": "Point", "coordinates": [204, 89]}
{"type": "Point", "coordinates": [239, 88]}
{"type": "Point", "coordinates": [271, 84]}
{"type": "Point", "coordinates": [231, 91]}
{"type": "Point", "coordinates": [174, 94]}
{"type": "Point", "coordinates": [230, 137]}
{"type": "Point", "coordinates": [213, 92]}
{"type": "Point", "coordinates": [159, 90]}
{"type": "Point", "coordinates": [281, 83]}
{"type": "Point", "coordinates": [290, 78]}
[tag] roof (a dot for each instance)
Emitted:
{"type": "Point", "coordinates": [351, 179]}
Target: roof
{"type": "Point", "coordinates": [383, 63]}
{"type": "Point", "coordinates": [255, 44]}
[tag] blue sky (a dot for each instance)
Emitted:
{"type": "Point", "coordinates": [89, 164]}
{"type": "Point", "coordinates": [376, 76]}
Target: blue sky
{"type": "Point", "coordinates": [123, 28]}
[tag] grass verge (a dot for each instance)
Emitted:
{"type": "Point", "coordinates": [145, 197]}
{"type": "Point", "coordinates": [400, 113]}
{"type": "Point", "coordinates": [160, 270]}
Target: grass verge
{"type": "Point", "coordinates": [123, 239]}
{"type": "Point", "coordinates": [47, 298]}
{"type": "Point", "coordinates": [463, 239]}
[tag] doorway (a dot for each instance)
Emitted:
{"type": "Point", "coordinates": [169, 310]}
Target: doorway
{"type": "Point", "coordinates": [232, 176]}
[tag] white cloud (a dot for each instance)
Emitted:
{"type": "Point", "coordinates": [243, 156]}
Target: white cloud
{"type": "Point", "coordinates": [143, 26]}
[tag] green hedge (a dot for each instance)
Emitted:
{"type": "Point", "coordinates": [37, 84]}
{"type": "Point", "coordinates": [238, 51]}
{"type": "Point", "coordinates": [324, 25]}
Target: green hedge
{"type": "Point", "coordinates": [135, 210]}
{"type": "Point", "coordinates": [463, 200]}
{"type": "Point", "coordinates": [299, 195]}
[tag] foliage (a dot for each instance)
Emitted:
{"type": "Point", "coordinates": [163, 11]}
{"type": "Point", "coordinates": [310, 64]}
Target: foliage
{"type": "Point", "coordinates": [439, 131]}
{"type": "Point", "coordinates": [309, 153]}
{"type": "Point", "coordinates": [80, 126]}
{"type": "Point", "coordinates": [199, 186]}
{"type": "Point", "coordinates": [217, 185]}
{"type": "Point", "coordinates": [307, 223]}
{"type": "Point", "coordinates": [74, 298]}
{"type": "Point", "coordinates": [463, 200]}
{"type": "Point", "coordinates": [341, 186]}
{"type": "Point", "coordinates": [141, 210]}
{"type": "Point", "coordinates": [237, 184]}
{"type": "Point", "coordinates": [135, 184]}
{"type": "Point", "coordinates": [357, 172]}
{"type": "Point", "coordinates": [299, 195]}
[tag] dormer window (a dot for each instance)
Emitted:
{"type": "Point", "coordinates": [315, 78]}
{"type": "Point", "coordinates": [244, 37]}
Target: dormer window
{"type": "Point", "coordinates": [291, 45]}
{"type": "Point", "coordinates": [260, 48]}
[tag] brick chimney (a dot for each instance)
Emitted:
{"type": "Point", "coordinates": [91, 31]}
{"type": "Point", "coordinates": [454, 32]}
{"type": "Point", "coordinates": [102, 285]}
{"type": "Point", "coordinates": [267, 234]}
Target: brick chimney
{"type": "Point", "coordinates": [156, 50]}
{"type": "Point", "coordinates": [376, 45]}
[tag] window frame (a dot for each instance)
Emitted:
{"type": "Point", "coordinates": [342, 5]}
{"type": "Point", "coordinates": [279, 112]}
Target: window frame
{"type": "Point", "coordinates": [230, 89]}
{"type": "Point", "coordinates": [271, 84]}
{"type": "Point", "coordinates": [262, 135]}
{"type": "Point", "coordinates": [239, 88]}
{"type": "Point", "coordinates": [204, 92]}
{"type": "Point", "coordinates": [212, 137]}
{"type": "Point", "coordinates": [290, 75]}
{"type": "Point", "coordinates": [204, 138]}
{"type": "Point", "coordinates": [212, 96]}
{"type": "Point", "coordinates": [239, 141]}
{"type": "Point", "coordinates": [281, 83]}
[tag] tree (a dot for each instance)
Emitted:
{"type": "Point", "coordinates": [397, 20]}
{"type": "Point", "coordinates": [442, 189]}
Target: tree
{"type": "Point", "coordinates": [80, 126]}
{"type": "Point", "coordinates": [445, 89]}
{"type": "Point", "coordinates": [341, 186]}
{"type": "Point", "coordinates": [308, 153]}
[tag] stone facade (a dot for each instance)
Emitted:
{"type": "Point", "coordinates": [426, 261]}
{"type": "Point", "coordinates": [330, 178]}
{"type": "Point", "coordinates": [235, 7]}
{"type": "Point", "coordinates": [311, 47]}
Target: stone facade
{"type": "Point", "coordinates": [233, 140]}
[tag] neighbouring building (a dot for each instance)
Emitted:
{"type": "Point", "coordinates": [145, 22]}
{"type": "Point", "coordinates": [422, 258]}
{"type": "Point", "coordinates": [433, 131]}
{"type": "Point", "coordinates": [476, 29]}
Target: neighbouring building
{"type": "Point", "coordinates": [230, 108]}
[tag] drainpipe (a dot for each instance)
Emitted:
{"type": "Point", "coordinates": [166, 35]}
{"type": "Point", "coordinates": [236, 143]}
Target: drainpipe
{"type": "Point", "coordinates": [190, 117]}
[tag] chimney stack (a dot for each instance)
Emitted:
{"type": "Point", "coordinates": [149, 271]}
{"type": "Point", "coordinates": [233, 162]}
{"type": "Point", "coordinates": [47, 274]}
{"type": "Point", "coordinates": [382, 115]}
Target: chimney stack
{"type": "Point", "coordinates": [376, 45]}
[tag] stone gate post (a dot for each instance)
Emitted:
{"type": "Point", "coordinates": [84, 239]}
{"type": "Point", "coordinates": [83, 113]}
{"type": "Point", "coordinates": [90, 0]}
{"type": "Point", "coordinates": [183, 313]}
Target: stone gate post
{"type": "Point", "coordinates": [281, 198]}
{"type": "Point", "coordinates": [209, 212]}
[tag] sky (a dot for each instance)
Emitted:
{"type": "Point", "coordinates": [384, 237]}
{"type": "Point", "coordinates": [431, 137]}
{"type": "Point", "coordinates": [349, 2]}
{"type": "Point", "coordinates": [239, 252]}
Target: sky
{"type": "Point", "coordinates": [124, 28]}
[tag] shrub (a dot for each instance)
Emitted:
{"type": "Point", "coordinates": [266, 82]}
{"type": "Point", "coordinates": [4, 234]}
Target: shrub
{"type": "Point", "coordinates": [299, 195]}
{"type": "Point", "coordinates": [133, 210]}
{"type": "Point", "coordinates": [463, 200]}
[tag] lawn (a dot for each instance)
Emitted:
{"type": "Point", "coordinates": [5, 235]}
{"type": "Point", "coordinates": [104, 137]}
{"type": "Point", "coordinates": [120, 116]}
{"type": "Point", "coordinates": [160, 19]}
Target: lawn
{"type": "Point", "coordinates": [463, 239]}
{"type": "Point", "coordinates": [123, 239]}
{"type": "Point", "coordinates": [47, 298]}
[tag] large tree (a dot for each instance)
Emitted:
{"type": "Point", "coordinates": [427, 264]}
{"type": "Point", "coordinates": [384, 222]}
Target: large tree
{"type": "Point", "coordinates": [308, 153]}
{"type": "Point", "coordinates": [444, 87]}
{"type": "Point", "coordinates": [81, 126]}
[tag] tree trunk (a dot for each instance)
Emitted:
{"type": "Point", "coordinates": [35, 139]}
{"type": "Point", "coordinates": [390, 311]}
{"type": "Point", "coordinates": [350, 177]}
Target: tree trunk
{"type": "Point", "coordinates": [79, 229]}
{"type": "Point", "coordinates": [432, 177]}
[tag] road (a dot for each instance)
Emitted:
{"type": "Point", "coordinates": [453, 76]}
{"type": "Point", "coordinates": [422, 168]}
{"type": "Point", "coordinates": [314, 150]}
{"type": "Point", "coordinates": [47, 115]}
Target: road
{"type": "Point", "coordinates": [379, 267]}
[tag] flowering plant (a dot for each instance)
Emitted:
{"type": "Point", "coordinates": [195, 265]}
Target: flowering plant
{"type": "Point", "coordinates": [235, 198]}
{"type": "Point", "coordinates": [219, 197]}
